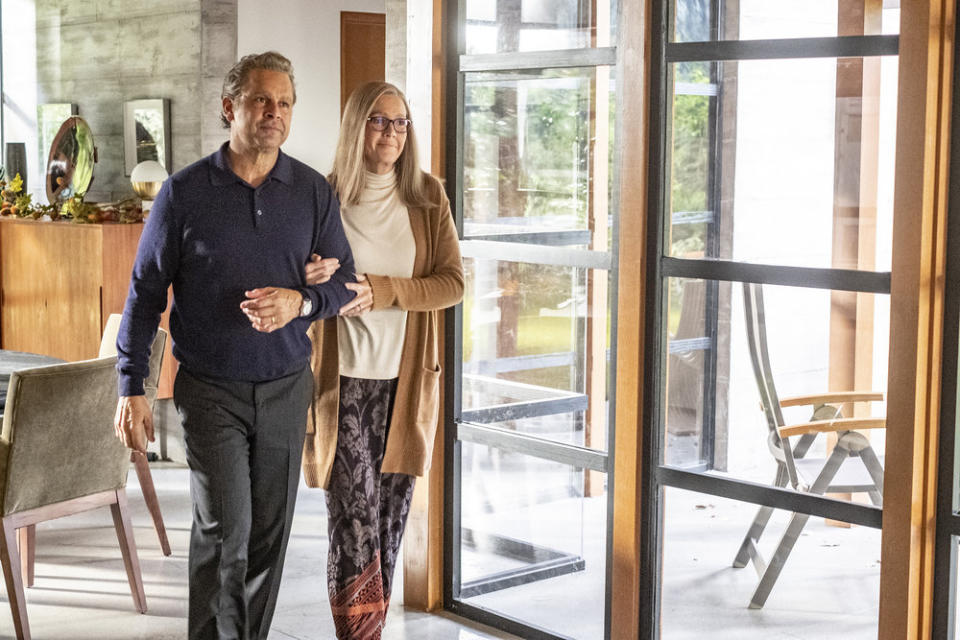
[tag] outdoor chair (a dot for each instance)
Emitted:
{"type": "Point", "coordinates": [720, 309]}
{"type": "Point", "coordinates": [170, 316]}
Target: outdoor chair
{"type": "Point", "coordinates": [851, 467]}
{"type": "Point", "coordinates": [60, 456]}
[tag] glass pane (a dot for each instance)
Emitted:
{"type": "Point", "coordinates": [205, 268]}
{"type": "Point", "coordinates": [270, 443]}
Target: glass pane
{"type": "Point", "coordinates": [816, 341]}
{"type": "Point", "coordinates": [706, 20]}
{"type": "Point", "coordinates": [777, 162]}
{"type": "Point", "coordinates": [533, 540]}
{"type": "Point", "coordinates": [829, 586]}
{"type": "Point", "coordinates": [535, 350]}
{"type": "Point", "coordinates": [537, 156]}
{"type": "Point", "coordinates": [504, 26]}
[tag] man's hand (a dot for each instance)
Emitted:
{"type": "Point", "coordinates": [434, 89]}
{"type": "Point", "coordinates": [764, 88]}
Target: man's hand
{"type": "Point", "coordinates": [133, 422]}
{"type": "Point", "coordinates": [320, 269]}
{"type": "Point", "coordinates": [271, 308]}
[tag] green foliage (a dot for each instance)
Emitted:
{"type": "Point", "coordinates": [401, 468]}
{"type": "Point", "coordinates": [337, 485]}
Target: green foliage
{"type": "Point", "coordinates": [690, 164]}
{"type": "Point", "coordinates": [80, 211]}
{"type": "Point", "coordinates": [22, 203]}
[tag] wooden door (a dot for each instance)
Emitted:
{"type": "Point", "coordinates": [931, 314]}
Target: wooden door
{"type": "Point", "coordinates": [362, 50]}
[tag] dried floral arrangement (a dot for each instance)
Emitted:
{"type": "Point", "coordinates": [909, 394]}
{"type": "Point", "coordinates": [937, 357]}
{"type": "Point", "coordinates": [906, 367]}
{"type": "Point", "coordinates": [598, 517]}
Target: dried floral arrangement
{"type": "Point", "coordinates": [13, 202]}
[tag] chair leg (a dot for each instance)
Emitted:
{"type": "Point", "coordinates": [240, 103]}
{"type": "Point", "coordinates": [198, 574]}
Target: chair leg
{"type": "Point", "coordinates": [759, 524]}
{"type": "Point", "coordinates": [121, 522]}
{"type": "Point", "coordinates": [797, 523]}
{"type": "Point", "coordinates": [874, 468]}
{"type": "Point", "coordinates": [27, 538]}
{"type": "Point", "coordinates": [150, 497]}
{"type": "Point", "coordinates": [10, 559]}
{"type": "Point", "coordinates": [753, 536]}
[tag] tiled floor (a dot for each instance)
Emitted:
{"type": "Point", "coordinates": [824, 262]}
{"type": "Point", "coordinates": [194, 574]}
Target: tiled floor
{"type": "Point", "coordinates": [81, 589]}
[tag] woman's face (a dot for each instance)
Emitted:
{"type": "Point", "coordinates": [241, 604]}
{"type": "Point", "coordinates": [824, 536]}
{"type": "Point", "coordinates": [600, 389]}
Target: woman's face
{"type": "Point", "coordinates": [382, 148]}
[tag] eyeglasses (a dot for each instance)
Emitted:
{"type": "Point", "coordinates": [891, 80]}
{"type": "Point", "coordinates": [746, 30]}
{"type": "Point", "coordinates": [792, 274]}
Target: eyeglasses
{"type": "Point", "coordinates": [379, 123]}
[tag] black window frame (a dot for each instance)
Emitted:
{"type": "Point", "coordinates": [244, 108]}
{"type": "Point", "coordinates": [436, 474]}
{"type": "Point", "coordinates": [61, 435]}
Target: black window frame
{"type": "Point", "coordinates": [660, 267]}
{"type": "Point", "coordinates": [948, 470]}
{"type": "Point", "coordinates": [456, 429]}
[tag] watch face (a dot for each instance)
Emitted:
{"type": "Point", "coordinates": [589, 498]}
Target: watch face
{"type": "Point", "coordinates": [306, 306]}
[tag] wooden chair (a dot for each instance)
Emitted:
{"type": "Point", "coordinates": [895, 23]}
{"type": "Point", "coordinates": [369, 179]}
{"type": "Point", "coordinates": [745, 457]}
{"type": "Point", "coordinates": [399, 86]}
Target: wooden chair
{"type": "Point", "coordinates": [27, 535]}
{"type": "Point", "coordinates": [852, 466]}
{"type": "Point", "coordinates": [108, 347]}
{"type": "Point", "coordinates": [61, 457]}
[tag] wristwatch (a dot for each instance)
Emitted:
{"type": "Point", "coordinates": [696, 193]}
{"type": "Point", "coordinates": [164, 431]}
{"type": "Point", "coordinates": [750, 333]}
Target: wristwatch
{"type": "Point", "coordinates": [306, 306]}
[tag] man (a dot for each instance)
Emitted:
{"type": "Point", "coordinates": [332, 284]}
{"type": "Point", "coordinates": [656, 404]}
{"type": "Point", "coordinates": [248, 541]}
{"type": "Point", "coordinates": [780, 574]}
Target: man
{"type": "Point", "coordinates": [232, 233]}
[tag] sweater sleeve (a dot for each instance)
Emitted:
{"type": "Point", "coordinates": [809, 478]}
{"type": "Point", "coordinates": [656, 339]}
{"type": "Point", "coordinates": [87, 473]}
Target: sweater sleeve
{"type": "Point", "coordinates": [442, 287]}
{"type": "Point", "coordinates": [158, 256]}
{"type": "Point", "coordinates": [331, 242]}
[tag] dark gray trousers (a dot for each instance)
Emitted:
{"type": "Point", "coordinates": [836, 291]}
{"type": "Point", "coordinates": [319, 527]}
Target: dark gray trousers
{"type": "Point", "coordinates": [243, 444]}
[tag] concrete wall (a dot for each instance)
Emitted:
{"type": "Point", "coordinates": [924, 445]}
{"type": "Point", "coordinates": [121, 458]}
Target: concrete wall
{"type": "Point", "coordinates": [99, 54]}
{"type": "Point", "coordinates": [309, 34]}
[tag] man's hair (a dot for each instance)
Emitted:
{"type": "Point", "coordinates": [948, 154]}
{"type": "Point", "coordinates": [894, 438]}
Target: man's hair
{"type": "Point", "coordinates": [348, 177]}
{"type": "Point", "coordinates": [237, 76]}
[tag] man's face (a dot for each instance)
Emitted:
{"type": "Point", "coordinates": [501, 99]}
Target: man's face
{"type": "Point", "coordinates": [260, 116]}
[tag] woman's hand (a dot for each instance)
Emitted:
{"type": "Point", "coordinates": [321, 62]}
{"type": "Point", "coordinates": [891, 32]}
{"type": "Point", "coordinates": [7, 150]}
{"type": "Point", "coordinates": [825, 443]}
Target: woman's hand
{"type": "Point", "coordinates": [320, 269]}
{"type": "Point", "coordinates": [364, 300]}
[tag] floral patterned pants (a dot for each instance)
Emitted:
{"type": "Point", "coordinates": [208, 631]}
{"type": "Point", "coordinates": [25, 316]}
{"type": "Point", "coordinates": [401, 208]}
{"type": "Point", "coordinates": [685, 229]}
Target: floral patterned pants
{"type": "Point", "coordinates": [366, 511]}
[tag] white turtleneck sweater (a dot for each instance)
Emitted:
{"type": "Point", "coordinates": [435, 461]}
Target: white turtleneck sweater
{"type": "Point", "coordinates": [378, 229]}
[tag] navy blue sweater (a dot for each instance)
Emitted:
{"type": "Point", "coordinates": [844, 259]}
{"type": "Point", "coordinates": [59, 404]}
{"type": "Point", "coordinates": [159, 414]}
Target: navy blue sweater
{"type": "Point", "coordinates": [213, 236]}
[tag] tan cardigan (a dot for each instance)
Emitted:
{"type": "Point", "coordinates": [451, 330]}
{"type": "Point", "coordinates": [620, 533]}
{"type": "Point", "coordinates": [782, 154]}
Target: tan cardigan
{"type": "Point", "coordinates": [437, 283]}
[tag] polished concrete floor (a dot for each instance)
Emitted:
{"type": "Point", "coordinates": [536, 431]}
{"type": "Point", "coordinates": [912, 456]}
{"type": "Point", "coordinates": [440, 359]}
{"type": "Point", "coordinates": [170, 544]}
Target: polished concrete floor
{"type": "Point", "coordinates": [829, 588]}
{"type": "Point", "coordinates": [81, 589]}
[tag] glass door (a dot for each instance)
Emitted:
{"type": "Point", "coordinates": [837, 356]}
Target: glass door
{"type": "Point", "coordinates": [532, 360]}
{"type": "Point", "coordinates": [771, 198]}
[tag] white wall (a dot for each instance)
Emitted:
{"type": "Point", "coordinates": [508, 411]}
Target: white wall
{"type": "Point", "coordinates": [20, 87]}
{"type": "Point", "coordinates": [309, 34]}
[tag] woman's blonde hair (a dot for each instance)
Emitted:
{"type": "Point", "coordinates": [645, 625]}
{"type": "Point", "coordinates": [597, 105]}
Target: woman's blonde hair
{"type": "Point", "coordinates": [348, 177]}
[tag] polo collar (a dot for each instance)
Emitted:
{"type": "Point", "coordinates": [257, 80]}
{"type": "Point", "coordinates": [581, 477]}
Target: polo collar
{"type": "Point", "coordinates": [222, 175]}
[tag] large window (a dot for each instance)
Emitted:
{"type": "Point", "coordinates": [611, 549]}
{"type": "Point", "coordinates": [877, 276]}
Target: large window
{"type": "Point", "coordinates": [771, 212]}
{"type": "Point", "coordinates": [532, 359]}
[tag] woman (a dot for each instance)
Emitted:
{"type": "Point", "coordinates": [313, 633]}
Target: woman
{"type": "Point", "coordinates": [377, 366]}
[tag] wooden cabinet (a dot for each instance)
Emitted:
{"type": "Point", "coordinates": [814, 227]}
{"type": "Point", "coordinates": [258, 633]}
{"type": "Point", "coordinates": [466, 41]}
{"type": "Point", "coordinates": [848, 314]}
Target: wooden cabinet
{"type": "Point", "coordinates": [59, 281]}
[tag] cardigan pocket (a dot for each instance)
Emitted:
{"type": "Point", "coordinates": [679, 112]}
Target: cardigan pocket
{"type": "Point", "coordinates": [428, 405]}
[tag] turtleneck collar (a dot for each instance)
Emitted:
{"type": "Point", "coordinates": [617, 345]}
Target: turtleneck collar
{"type": "Point", "coordinates": [380, 180]}
{"type": "Point", "coordinates": [378, 186]}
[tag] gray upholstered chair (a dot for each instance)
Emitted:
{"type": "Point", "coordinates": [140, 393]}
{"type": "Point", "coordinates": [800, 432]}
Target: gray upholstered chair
{"type": "Point", "coordinates": [108, 347]}
{"type": "Point", "coordinates": [59, 456]}
{"type": "Point", "coordinates": [27, 534]}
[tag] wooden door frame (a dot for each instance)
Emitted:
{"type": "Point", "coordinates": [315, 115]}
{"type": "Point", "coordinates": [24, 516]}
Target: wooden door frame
{"type": "Point", "coordinates": [916, 318]}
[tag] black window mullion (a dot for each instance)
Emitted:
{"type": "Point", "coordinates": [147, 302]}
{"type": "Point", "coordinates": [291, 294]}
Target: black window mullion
{"type": "Point", "coordinates": [948, 522]}
{"type": "Point", "coordinates": [770, 496]}
{"type": "Point", "coordinates": [535, 254]}
{"type": "Point", "coordinates": [808, 277]}
{"type": "Point", "coordinates": [774, 49]}
{"type": "Point", "coordinates": [534, 60]}
{"type": "Point", "coordinates": [529, 445]}
{"type": "Point", "coordinates": [651, 504]}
